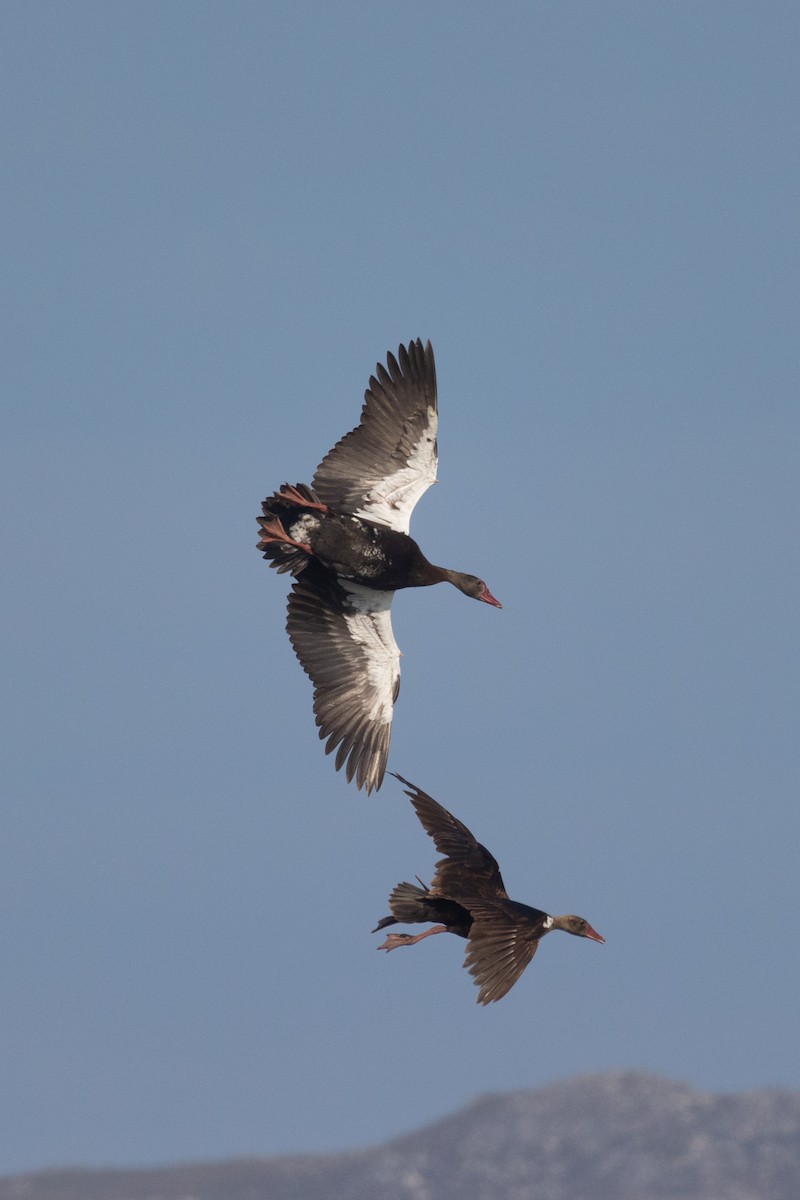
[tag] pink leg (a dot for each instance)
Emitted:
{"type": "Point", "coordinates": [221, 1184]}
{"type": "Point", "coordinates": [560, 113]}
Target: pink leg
{"type": "Point", "coordinates": [274, 532]}
{"type": "Point", "coordinates": [291, 494]}
{"type": "Point", "coordinates": [406, 939]}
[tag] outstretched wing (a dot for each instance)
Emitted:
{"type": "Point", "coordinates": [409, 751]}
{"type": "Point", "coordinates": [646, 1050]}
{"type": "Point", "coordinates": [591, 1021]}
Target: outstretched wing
{"type": "Point", "coordinates": [381, 468]}
{"type": "Point", "coordinates": [498, 950]}
{"type": "Point", "coordinates": [342, 634]}
{"type": "Point", "coordinates": [468, 871]}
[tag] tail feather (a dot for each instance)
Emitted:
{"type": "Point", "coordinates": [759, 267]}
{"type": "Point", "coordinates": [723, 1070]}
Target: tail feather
{"type": "Point", "coordinates": [279, 507]}
{"type": "Point", "coordinates": [407, 902]}
{"type": "Point", "coordinates": [283, 557]}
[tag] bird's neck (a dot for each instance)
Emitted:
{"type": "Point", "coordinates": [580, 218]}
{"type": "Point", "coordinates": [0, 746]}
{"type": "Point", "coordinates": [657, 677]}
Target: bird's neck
{"type": "Point", "coordinates": [445, 575]}
{"type": "Point", "coordinates": [422, 573]}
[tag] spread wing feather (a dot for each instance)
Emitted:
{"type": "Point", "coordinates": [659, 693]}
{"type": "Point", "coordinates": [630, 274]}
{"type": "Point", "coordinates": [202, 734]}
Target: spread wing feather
{"type": "Point", "coordinates": [342, 635]}
{"type": "Point", "coordinates": [498, 950]}
{"type": "Point", "coordinates": [468, 871]}
{"type": "Point", "coordinates": [380, 469]}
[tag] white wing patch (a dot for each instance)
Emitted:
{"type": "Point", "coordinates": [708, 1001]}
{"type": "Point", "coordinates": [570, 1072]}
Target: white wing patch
{"type": "Point", "coordinates": [369, 625]}
{"type": "Point", "coordinates": [391, 500]}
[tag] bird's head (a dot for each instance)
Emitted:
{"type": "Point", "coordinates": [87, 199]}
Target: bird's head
{"type": "Point", "coordinates": [577, 925]}
{"type": "Point", "coordinates": [472, 586]}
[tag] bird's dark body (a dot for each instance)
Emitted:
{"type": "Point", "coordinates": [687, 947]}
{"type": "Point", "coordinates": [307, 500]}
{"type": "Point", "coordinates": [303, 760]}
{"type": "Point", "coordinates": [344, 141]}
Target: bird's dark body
{"type": "Point", "coordinates": [467, 897]}
{"type": "Point", "coordinates": [412, 905]}
{"type": "Point", "coordinates": [352, 548]}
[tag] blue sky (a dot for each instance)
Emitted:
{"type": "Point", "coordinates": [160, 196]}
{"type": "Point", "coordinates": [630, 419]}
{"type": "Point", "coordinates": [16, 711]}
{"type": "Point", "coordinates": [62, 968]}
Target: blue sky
{"type": "Point", "coordinates": [216, 218]}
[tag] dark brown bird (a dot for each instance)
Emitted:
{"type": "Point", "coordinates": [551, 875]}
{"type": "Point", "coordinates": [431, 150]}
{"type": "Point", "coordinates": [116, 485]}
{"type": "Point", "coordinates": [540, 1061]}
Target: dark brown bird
{"type": "Point", "coordinates": [346, 542]}
{"type": "Point", "coordinates": [467, 897]}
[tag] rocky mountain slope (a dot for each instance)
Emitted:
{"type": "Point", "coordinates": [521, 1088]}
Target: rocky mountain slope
{"type": "Point", "coordinates": [612, 1136]}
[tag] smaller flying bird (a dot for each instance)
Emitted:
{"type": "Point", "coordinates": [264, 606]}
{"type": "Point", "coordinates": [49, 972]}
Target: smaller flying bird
{"type": "Point", "coordinates": [467, 897]}
{"type": "Point", "coordinates": [346, 542]}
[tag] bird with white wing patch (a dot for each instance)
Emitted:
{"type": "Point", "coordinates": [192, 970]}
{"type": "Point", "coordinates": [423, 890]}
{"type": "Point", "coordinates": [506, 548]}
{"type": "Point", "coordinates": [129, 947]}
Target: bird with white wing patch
{"type": "Point", "coordinates": [346, 542]}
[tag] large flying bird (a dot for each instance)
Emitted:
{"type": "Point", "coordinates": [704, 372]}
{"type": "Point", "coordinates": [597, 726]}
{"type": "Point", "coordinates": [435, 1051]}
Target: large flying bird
{"type": "Point", "coordinates": [346, 542]}
{"type": "Point", "coordinates": [467, 897]}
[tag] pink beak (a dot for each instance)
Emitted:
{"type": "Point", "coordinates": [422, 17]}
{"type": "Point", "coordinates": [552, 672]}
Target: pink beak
{"type": "Point", "coordinates": [594, 935]}
{"type": "Point", "coordinates": [488, 598]}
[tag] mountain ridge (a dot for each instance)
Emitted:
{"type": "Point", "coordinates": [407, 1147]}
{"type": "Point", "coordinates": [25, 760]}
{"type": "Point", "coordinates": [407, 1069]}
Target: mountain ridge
{"type": "Point", "coordinates": [616, 1135]}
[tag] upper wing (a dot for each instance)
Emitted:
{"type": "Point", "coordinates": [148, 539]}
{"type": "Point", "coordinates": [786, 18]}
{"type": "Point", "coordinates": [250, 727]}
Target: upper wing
{"type": "Point", "coordinates": [498, 950]}
{"type": "Point", "coordinates": [469, 870]}
{"type": "Point", "coordinates": [342, 634]}
{"type": "Point", "coordinates": [381, 468]}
